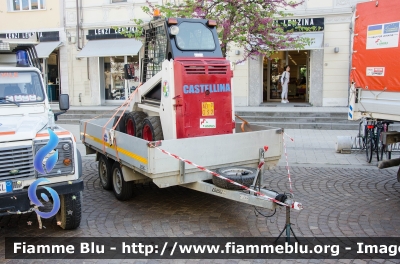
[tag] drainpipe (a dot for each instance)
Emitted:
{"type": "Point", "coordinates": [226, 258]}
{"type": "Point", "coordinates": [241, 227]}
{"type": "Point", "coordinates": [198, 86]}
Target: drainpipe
{"type": "Point", "coordinates": [77, 23]}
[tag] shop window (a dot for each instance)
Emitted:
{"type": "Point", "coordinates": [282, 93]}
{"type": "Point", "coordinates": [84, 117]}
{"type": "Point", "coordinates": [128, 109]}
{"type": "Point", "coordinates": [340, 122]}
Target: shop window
{"type": "Point", "coordinates": [114, 78]}
{"type": "Point", "coordinates": [133, 83]}
{"type": "Point", "coordinates": [116, 87]}
{"type": "Point", "coordinates": [26, 5]}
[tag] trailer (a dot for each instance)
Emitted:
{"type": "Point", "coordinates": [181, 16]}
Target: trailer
{"type": "Point", "coordinates": [183, 115]}
{"type": "Point", "coordinates": [374, 77]}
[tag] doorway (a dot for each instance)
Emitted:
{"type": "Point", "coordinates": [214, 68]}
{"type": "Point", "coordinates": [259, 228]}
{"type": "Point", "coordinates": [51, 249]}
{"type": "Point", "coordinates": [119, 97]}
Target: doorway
{"type": "Point", "coordinates": [52, 70]}
{"type": "Point", "coordinates": [273, 68]}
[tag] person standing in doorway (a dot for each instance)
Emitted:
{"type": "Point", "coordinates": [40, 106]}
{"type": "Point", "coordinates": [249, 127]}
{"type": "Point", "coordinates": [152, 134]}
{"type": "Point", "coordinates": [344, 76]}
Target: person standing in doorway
{"type": "Point", "coordinates": [107, 75]}
{"type": "Point", "coordinates": [285, 83]}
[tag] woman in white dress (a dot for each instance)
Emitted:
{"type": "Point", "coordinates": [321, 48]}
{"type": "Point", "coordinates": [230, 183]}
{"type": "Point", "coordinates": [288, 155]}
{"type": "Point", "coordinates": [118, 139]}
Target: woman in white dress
{"type": "Point", "coordinates": [285, 83]}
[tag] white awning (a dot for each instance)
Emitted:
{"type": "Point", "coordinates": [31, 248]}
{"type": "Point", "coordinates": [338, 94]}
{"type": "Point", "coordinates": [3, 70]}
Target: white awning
{"type": "Point", "coordinates": [44, 49]}
{"type": "Point", "coordinates": [110, 47]}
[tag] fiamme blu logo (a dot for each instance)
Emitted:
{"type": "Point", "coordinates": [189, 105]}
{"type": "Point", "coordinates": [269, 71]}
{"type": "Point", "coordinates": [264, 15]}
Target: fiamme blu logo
{"type": "Point", "coordinates": [44, 166]}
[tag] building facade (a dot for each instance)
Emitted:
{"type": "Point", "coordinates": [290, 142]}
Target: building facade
{"type": "Point", "coordinates": [38, 22]}
{"type": "Point", "coordinates": [97, 52]}
{"type": "Point", "coordinates": [319, 73]}
{"type": "Point", "coordinates": [83, 53]}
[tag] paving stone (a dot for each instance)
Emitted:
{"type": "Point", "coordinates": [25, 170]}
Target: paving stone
{"type": "Point", "coordinates": [338, 202]}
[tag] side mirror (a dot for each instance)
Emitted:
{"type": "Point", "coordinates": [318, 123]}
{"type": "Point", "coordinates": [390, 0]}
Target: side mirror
{"type": "Point", "coordinates": [129, 71]}
{"type": "Point", "coordinates": [64, 102]}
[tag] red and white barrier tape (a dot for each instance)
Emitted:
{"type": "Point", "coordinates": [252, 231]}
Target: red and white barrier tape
{"type": "Point", "coordinates": [287, 162]}
{"type": "Point", "coordinates": [295, 205]}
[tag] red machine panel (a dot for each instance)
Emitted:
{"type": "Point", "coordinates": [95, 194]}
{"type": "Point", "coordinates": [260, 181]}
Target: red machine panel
{"type": "Point", "coordinates": [376, 46]}
{"type": "Point", "coordinates": [203, 93]}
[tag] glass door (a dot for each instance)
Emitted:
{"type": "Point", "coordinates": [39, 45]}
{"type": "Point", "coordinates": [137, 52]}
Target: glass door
{"type": "Point", "coordinates": [273, 69]}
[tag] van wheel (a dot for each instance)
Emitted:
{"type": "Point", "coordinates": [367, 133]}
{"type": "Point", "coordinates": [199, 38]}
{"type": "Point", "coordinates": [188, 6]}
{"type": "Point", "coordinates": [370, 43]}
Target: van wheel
{"type": "Point", "coordinates": [242, 175]}
{"type": "Point", "coordinates": [152, 130]}
{"type": "Point", "coordinates": [105, 173]}
{"type": "Point", "coordinates": [134, 123]}
{"type": "Point", "coordinates": [122, 190]}
{"type": "Point", "coordinates": [69, 215]}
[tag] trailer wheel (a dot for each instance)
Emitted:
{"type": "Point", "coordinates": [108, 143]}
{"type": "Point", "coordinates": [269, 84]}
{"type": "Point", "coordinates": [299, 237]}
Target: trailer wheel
{"type": "Point", "coordinates": [122, 190]}
{"type": "Point", "coordinates": [105, 172]}
{"type": "Point", "coordinates": [152, 130]}
{"type": "Point", "coordinates": [134, 123]}
{"type": "Point", "coordinates": [242, 175]}
{"type": "Point", "coordinates": [69, 215]}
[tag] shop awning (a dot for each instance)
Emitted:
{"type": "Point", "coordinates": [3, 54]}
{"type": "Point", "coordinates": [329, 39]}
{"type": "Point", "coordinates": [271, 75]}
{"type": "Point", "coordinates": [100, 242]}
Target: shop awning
{"type": "Point", "coordinates": [44, 49]}
{"type": "Point", "coordinates": [110, 47]}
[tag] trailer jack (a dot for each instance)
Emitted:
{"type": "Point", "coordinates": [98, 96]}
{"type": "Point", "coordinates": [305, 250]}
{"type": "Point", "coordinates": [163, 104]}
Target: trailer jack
{"type": "Point", "coordinates": [287, 228]}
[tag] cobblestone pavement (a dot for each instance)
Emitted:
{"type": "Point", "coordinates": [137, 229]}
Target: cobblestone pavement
{"type": "Point", "coordinates": [339, 202]}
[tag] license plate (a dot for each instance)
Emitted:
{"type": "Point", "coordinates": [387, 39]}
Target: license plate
{"type": "Point", "coordinates": [6, 186]}
{"type": "Point", "coordinates": [207, 108]}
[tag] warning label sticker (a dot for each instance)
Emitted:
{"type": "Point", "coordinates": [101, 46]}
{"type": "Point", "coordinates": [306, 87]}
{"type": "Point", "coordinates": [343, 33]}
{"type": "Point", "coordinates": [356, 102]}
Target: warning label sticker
{"type": "Point", "coordinates": [375, 71]}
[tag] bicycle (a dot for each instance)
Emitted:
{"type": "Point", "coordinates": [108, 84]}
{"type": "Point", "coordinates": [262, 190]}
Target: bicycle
{"type": "Point", "coordinates": [384, 148]}
{"type": "Point", "coordinates": [362, 131]}
{"type": "Point", "coordinates": [371, 141]}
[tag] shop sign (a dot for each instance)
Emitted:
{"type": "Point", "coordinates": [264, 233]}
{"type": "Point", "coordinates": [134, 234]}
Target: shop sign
{"type": "Point", "coordinates": [303, 24]}
{"type": "Point", "coordinates": [108, 33]}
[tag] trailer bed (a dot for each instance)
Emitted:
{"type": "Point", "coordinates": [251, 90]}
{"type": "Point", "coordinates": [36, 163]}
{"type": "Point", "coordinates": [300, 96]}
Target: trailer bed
{"type": "Point", "coordinates": [238, 149]}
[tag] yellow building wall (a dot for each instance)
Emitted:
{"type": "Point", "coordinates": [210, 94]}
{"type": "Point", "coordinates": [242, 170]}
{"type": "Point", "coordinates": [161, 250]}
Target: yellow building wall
{"type": "Point", "coordinates": [17, 21]}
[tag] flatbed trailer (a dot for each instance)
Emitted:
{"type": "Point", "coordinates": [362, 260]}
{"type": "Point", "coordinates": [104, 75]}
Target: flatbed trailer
{"type": "Point", "coordinates": [140, 161]}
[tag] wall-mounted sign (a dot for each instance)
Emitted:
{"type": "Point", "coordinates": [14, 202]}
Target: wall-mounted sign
{"type": "Point", "coordinates": [37, 36]}
{"type": "Point", "coordinates": [108, 33]}
{"type": "Point", "coordinates": [299, 24]}
{"type": "Point", "coordinates": [316, 39]}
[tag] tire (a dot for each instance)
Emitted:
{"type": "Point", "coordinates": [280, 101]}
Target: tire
{"type": "Point", "coordinates": [121, 125]}
{"type": "Point", "coordinates": [369, 146]}
{"type": "Point", "coordinates": [234, 174]}
{"type": "Point", "coordinates": [152, 130]}
{"type": "Point", "coordinates": [69, 215]}
{"type": "Point", "coordinates": [134, 123]}
{"type": "Point", "coordinates": [122, 190]}
{"type": "Point", "coordinates": [104, 170]}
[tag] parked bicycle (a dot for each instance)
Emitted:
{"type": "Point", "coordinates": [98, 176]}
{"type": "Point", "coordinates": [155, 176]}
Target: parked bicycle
{"type": "Point", "coordinates": [370, 138]}
{"type": "Point", "coordinates": [384, 149]}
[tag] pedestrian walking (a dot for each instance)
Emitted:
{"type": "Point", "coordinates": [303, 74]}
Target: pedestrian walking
{"type": "Point", "coordinates": [285, 83]}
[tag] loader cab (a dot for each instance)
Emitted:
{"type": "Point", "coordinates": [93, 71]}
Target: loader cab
{"type": "Point", "coordinates": [173, 38]}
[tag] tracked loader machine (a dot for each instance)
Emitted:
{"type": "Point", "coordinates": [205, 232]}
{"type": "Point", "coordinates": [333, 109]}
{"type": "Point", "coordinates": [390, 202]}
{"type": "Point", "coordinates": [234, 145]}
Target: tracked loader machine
{"type": "Point", "coordinates": [183, 115]}
{"type": "Point", "coordinates": [187, 90]}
